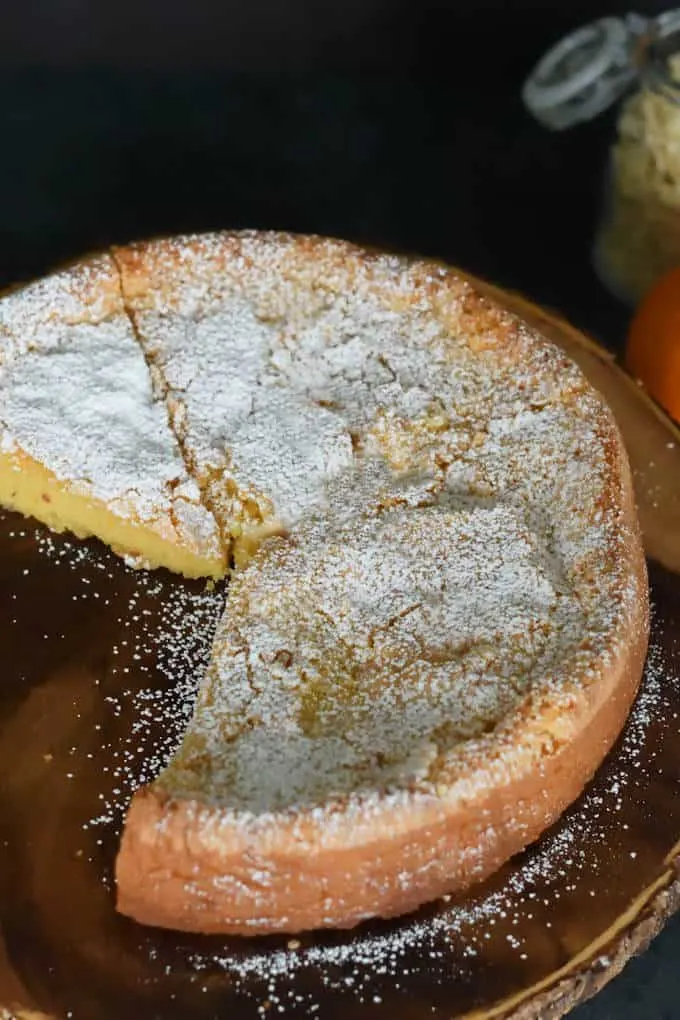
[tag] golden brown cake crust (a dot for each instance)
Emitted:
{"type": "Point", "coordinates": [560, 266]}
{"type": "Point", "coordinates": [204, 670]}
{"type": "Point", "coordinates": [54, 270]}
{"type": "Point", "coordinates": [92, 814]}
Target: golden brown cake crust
{"type": "Point", "coordinates": [197, 865]}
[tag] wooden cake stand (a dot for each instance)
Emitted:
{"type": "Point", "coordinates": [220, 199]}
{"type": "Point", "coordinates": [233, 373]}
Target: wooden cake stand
{"type": "Point", "coordinates": [95, 662]}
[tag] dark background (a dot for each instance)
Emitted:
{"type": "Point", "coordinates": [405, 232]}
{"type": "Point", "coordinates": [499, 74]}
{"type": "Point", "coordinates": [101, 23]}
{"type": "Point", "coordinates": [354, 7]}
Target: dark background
{"type": "Point", "coordinates": [393, 122]}
{"type": "Point", "coordinates": [397, 122]}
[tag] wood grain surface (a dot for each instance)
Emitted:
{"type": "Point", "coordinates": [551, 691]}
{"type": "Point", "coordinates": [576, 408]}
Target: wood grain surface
{"type": "Point", "coordinates": [82, 640]}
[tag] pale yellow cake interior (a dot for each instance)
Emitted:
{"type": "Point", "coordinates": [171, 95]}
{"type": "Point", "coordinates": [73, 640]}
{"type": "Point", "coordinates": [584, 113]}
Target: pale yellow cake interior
{"type": "Point", "coordinates": [33, 490]}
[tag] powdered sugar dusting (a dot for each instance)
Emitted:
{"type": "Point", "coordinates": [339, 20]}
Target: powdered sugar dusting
{"type": "Point", "coordinates": [284, 360]}
{"type": "Point", "coordinates": [358, 656]}
{"type": "Point", "coordinates": [76, 396]}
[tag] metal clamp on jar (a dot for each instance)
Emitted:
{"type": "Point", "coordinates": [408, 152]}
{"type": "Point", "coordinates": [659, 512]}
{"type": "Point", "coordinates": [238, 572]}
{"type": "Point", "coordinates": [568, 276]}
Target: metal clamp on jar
{"type": "Point", "coordinates": [634, 60]}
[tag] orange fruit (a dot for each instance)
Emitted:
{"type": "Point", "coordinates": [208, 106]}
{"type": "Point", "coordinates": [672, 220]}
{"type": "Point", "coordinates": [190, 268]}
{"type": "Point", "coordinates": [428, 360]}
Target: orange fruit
{"type": "Point", "coordinates": [653, 344]}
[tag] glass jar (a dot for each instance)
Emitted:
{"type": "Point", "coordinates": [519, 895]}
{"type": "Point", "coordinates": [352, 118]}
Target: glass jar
{"type": "Point", "coordinates": [635, 61]}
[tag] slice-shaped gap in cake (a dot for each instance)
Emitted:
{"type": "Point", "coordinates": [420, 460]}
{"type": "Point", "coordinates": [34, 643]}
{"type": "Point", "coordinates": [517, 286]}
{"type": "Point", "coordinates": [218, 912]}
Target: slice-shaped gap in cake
{"type": "Point", "coordinates": [85, 446]}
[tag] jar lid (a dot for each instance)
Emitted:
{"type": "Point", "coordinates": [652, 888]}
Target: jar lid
{"type": "Point", "coordinates": [585, 72]}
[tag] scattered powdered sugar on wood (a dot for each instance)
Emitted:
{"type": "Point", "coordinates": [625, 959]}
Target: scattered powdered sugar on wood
{"type": "Point", "coordinates": [163, 632]}
{"type": "Point", "coordinates": [178, 644]}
